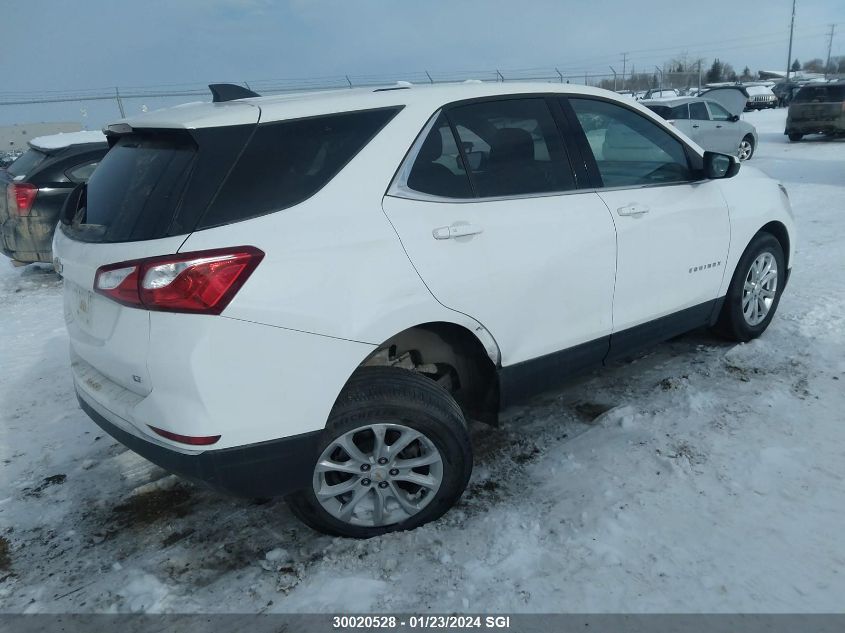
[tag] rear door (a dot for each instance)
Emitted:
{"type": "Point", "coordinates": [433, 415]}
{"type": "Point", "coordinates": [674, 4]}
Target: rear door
{"type": "Point", "coordinates": [511, 241]}
{"type": "Point", "coordinates": [672, 229]}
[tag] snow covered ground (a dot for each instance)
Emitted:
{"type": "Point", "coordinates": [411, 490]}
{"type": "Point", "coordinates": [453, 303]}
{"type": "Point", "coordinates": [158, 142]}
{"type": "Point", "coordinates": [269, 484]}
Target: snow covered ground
{"type": "Point", "coordinates": [700, 477]}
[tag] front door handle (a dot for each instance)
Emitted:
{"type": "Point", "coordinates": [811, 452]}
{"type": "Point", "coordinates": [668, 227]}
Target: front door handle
{"type": "Point", "coordinates": [719, 126]}
{"type": "Point", "coordinates": [456, 230]}
{"type": "Point", "coordinates": [635, 210]}
{"type": "Point", "coordinates": [695, 125]}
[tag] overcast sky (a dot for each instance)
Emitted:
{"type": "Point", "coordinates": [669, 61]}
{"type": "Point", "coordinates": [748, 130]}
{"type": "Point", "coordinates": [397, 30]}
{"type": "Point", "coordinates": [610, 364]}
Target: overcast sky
{"type": "Point", "coordinates": [58, 45]}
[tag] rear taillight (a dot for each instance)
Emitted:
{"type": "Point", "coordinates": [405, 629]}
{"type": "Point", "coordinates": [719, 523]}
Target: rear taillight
{"type": "Point", "coordinates": [202, 282]}
{"type": "Point", "coordinates": [20, 196]}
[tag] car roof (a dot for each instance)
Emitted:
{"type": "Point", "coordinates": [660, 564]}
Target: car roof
{"type": "Point", "coordinates": [304, 104]}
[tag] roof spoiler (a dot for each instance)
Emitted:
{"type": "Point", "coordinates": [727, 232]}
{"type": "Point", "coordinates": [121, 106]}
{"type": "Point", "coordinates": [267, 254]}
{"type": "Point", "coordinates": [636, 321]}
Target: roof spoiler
{"type": "Point", "coordinates": [229, 92]}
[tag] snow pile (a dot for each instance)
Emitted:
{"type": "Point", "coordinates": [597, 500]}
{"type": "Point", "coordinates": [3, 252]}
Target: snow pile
{"type": "Point", "coordinates": [66, 139]}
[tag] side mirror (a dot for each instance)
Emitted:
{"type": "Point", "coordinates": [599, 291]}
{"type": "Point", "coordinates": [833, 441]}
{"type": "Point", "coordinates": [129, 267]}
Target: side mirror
{"type": "Point", "coordinates": [734, 118]}
{"type": "Point", "coordinates": [720, 165]}
{"type": "Point", "coordinates": [72, 204]}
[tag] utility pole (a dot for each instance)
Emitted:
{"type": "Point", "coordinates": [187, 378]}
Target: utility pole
{"type": "Point", "coordinates": [614, 77]}
{"type": "Point", "coordinates": [624, 63]}
{"type": "Point", "coordinates": [699, 76]}
{"type": "Point", "coordinates": [829, 46]}
{"type": "Point", "coordinates": [791, 29]}
{"type": "Point", "coordinates": [119, 102]}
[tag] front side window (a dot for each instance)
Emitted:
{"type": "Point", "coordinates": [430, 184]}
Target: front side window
{"type": "Point", "coordinates": [629, 149]}
{"type": "Point", "coordinates": [698, 111]}
{"type": "Point", "coordinates": [717, 112]}
{"type": "Point", "coordinates": [512, 147]}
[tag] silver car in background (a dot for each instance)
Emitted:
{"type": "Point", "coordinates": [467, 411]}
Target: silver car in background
{"type": "Point", "coordinates": [709, 124]}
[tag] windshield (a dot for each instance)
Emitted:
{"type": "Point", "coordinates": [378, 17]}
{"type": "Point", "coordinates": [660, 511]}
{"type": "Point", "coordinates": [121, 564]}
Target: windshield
{"type": "Point", "coordinates": [26, 163]}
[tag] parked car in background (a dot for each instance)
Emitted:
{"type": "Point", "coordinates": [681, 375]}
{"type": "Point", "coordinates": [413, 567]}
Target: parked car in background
{"type": "Point", "coordinates": [785, 91]}
{"type": "Point", "coordinates": [654, 93]}
{"type": "Point", "coordinates": [709, 124]}
{"type": "Point", "coordinates": [760, 98]}
{"type": "Point", "coordinates": [9, 157]}
{"type": "Point", "coordinates": [291, 295]}
{"type": "Point", "coordinates": [35, 187]}
{"type": "Point", "coordinates": [817, 109]}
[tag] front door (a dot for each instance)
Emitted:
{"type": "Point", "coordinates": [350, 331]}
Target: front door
{"type": "Point", "coordinates": [673, 230]}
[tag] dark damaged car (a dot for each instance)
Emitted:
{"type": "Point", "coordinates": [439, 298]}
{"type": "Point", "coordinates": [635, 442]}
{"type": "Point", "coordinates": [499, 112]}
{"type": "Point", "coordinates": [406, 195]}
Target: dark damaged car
{"type": "Point", "coordinates": [34, 188]}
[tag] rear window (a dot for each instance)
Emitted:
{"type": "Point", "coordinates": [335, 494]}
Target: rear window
{"type": "Point", "coordinates": [25, 163]}
{"type": "Point", "coordinates": [136, 188]}
{"type": "Point", "coordinates": [166, 183]}
{"type": "Point", "coordinates": [288, 162]}
{"type": "Point", "coordinates": [821, 94]}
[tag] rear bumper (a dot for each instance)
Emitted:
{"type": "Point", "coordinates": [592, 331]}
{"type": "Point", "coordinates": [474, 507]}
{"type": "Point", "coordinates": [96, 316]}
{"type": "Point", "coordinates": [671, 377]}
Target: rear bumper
{"type": "Point", "coordinates": [814, 127]}
{"type": "Point", "coordinates": [267, 469]}
{"type": "Point", "coordinates": [27, 239]}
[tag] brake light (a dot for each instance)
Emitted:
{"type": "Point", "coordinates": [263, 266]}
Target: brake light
{"type": "Point", "coordinates": [202, 282]}
{"type": "Point", "coordinates": [20, 196]}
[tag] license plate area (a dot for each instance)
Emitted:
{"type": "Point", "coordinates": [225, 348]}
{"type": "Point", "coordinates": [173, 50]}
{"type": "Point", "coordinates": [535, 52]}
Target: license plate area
{"type": "Point", "coordinates": [83, 306]}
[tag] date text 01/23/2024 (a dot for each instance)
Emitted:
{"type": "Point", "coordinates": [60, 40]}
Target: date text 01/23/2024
{"type": "Point", "coordinates": [421, 622]}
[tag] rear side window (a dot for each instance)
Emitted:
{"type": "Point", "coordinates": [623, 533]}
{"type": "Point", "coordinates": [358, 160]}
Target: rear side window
{"type": "Point", "coordinates": [26, 163]}
{"type": "Point", "coordinates": [136, 188]}
{"type": "Point", "coordinates": [81, 173]}
{"type": "Point", "coordinates": [512, 147]}
{"type": "Point", "coordinates": [287, 162]}
{"type": "Point", "coordinates": [439, 169]}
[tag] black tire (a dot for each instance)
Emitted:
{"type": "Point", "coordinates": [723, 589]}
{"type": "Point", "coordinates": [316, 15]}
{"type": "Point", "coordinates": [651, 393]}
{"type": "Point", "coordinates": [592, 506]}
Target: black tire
{"type": "Point", "coordinates": [386, 394]}
{"type": "Point", "coordinates": [732, 323]}
{"type": "Point", "coordinates": [750, 140]}
{"type": "Point", "coordinates": [795, 136]}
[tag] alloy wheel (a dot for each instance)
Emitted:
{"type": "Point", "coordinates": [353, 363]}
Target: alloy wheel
{"type": "Point", "coordinates": [760, 288]}
{"type": "Point", "coordinates": [378, 475]}
{"type": "Point", "coordinates": [746, 148]}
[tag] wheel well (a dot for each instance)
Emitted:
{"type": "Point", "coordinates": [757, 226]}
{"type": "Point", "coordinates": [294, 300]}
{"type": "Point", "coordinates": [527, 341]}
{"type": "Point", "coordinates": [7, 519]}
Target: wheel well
{"type": "Point", "coordinates": [781, 235]}
{"type": "Point", "coordinates": [452, 356]}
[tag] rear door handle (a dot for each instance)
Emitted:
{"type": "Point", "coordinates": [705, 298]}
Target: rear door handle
{"type": "Point", "coordinates": [718, 126]}
{"type": "Point", "coordinates": [456, 230]}
{"type": "Point", "coordinates": [635, 210]}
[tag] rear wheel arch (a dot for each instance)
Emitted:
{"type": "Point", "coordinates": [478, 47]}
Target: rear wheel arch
{"type": "Point", "coordinates": [451, 355]}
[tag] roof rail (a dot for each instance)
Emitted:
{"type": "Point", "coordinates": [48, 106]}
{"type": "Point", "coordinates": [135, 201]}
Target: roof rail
{"type": "Point", "coordinates": [229, 92]}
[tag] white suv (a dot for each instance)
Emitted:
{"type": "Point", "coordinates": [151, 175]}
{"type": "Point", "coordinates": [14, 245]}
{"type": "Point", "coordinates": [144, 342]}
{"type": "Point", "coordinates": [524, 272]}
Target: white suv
{"type": "Point", "coordinates": [308, 295]}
